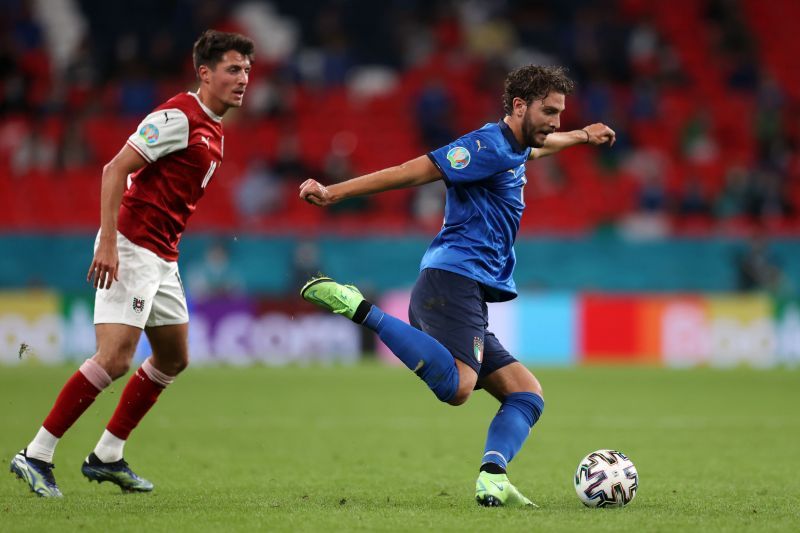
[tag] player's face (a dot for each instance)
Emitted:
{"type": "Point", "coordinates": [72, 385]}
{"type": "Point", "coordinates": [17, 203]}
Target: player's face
{"type": "Point", "coordinates": [228, 80]}
{"type": "Point", "coordinates": [542, 118]}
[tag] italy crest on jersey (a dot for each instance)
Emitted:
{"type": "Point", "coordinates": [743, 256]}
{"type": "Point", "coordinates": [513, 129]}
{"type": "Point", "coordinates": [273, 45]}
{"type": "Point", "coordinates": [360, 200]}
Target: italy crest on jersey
{"type": "Point", "coordinates": [149, 133]}
{"type": "Point", "coordinates": [459, 157]}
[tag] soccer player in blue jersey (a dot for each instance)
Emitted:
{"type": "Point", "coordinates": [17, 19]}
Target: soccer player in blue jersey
{"type": "Point", "coordinates": [470, 263]}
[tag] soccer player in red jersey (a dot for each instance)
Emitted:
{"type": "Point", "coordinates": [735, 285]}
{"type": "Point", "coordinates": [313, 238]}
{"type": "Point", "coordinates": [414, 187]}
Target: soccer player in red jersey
{"type": "Point", "coordinates": [149, 190]}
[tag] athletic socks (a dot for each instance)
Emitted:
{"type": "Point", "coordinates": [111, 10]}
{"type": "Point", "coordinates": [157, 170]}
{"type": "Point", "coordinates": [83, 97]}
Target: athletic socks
{"type": "Point", "coordinates": [78, 393]}
{"type": "Point", "coordinates": [432, 362]}
{"type": "Point", "coordinates": [109, 448]}
{"type": "Point", "coordinates": [509, 429]}
{"type": "Point", "coordinates": [421, 353]}
{"type": "Point", "coordinates": [492, 468]}
{"type": "Point", "coordinates": [43, 446]}
{"type": "Point", "coordinates": [139, 395]}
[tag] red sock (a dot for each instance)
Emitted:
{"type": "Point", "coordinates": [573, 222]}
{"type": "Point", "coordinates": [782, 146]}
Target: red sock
{"type": "Point", "coordinates": [78, 393]}
{"type": "Point", "coordinates": [139, 395]}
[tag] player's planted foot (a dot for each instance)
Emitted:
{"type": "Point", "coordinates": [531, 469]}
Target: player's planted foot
{"type": "Point", "coordinates": [37, 474]}
{"type": "Point", "coordinates": [495, 490]}
{"type": "Point", "coordinates": [117, 472]}
{"type": "Point", "coordinates": [337, 298]}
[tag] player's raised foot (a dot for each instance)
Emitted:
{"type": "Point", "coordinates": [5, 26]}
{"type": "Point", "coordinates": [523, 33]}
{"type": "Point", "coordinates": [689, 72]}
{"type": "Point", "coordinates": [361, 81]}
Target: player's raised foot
{"type": "Point", "coordinates": [117, 472]}
{"type": "Point", "coordinates": [337, 298]}
{"type": "Point", "coordinates": [495, 490]}
{"type": "Point", "coordinates": [37, 474]}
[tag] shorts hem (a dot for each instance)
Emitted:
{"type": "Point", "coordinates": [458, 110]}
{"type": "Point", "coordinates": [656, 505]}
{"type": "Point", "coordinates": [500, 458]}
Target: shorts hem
{"type": "Point", "coordinates": [121, 322]}
{"type": "Point", "coordinates": [469, 361]}
{"type": "Point", "coordinates": [159, 323]}
{"type": "Point", "coordinates": [503, 363]}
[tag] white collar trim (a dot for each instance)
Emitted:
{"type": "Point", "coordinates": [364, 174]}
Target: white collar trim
{"type": "Point", "coordinates": [210, 113]}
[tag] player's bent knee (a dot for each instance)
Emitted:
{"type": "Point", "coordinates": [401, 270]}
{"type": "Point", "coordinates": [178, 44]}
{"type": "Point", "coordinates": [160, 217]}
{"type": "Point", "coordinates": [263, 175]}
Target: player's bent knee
{"type": "Point", "coordinates": [529, 383]}
{"type": "Point", "coordinates": [460, 398]}
{"type": "Point", "coordinates": [462, 394]}
{"type": "Point", "coordinates": [115, 367]}
{"type": "Point", "coordinates": [171, 366]}
{"type": "Point", "coordinates": [115, 357]}
{"type": "Point", "coordinates": [463, 386]}
{"type": "Point", "coordinates": [181, 365]}
{"type": "Point", "coordinates": [536, 388]}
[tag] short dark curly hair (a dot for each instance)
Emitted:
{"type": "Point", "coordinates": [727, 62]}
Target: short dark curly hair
{"type": "Point", "coordinates": [533, 82]}
{"type": "Point", "coordinates": [212, 45]}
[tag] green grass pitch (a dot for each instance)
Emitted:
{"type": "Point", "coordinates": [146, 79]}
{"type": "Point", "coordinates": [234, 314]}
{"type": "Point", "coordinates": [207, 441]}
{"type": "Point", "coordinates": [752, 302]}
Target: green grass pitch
{"type": "Point", "coordinates": [369, 448]}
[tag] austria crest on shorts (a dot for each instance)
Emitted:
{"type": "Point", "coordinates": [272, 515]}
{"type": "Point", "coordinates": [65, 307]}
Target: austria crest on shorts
{"type": "Point", "coordinates": [138, 305]}
{"type": "Point", "coordinates": [477, 349]}
{"type": "Point", "coordinates": [459, 157]}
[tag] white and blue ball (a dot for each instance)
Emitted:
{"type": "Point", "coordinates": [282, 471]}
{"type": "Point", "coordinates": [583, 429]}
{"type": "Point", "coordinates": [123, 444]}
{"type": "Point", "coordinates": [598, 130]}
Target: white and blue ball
{"type": "Point", "coordinates": [606, 478]}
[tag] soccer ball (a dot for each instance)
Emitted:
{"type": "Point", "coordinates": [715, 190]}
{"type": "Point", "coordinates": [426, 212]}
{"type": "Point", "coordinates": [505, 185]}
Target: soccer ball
{"type": "Point", "coordinates": [606, 478]}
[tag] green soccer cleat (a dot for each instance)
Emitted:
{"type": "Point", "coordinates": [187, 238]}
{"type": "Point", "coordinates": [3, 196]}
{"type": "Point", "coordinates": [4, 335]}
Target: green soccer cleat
{"type": "Point", "coordinates": [117, 472]}
{"type": "Point", "coordinates": [337, 298]}
{"type": "Point", "coordinates": [37, 474]}
{"type": "Point", "coordinates": [495, 490]}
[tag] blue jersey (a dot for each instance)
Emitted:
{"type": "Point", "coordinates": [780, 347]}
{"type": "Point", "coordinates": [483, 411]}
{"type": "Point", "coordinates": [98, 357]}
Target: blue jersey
{"type": "Point", "coordinates": [485, 173]}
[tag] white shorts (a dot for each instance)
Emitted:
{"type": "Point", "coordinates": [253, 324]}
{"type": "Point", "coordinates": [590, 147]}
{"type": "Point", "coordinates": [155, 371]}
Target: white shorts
{"type": "Point", "coordinates": [149, 291]}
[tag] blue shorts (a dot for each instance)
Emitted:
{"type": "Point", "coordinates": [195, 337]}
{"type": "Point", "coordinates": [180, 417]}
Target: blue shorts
{"type": "Point", "coordinates": [452, 309]}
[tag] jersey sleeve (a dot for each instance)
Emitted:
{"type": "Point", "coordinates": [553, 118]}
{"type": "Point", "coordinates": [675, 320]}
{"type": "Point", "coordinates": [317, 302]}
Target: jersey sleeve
{"type": "Point", "coordinates": [160, 133]}
{"type": "Point", "coordinates": [473, 157]}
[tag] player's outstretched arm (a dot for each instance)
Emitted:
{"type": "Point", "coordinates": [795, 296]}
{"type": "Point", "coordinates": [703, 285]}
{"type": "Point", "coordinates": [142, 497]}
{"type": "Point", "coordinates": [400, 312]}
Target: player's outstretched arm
{"type": "Point", "coordinates": [105, 264]}
{"type": "Point", "coordinates": [595, 134]}
{"type": "Point", "coordinates": [412, 173]}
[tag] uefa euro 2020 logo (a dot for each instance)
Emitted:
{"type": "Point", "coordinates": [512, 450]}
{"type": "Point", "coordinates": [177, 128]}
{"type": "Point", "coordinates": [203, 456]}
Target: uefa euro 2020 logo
{"type": "Point", "coordinates": [149, 133]}
{"type": "Point", "coordinates": [459, 157]}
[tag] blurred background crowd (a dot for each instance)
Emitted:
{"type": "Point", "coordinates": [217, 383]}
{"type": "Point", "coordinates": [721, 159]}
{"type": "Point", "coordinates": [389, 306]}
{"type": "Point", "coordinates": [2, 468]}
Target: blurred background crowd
{"type": "Point", "coordinates": [632, 251]}
{"type": "Point", "coordinates": [704, 96]}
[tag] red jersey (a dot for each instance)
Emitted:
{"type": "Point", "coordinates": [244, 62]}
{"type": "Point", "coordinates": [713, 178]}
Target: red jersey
{"type": "Point", "coordinates": [182, 142]}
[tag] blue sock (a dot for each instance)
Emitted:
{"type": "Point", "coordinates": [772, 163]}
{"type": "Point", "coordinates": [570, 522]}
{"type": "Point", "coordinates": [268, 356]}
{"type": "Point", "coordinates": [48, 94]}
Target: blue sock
{"type": "Point", "coordinates": [421, 353]}
{"type": "Point", "coordinates": [511, 426]}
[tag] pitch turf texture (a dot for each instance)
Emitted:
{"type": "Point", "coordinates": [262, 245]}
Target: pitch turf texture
{"type": "Point", "coordinates": [369, 448]}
